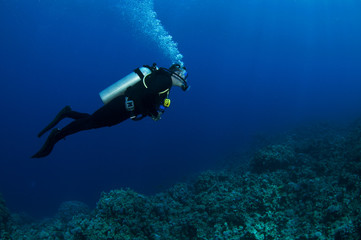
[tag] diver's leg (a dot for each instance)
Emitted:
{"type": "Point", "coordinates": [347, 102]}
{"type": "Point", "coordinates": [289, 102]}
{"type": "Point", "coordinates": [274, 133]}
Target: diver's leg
{"type": "Point", "coordinates": [108, 115]}
{"type": "Point", "coordinates": [76, 115]}
{"type": "Point", "coordinates": [58, 134]}
{"type": "Point", "coordinates": [64, 113]}
{"type": "Point", "coordinates": [77, 126]}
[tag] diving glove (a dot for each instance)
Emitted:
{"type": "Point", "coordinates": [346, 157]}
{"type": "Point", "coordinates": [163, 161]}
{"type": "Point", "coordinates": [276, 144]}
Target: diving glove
{"type": "Point", "coordinates": [158, 116]}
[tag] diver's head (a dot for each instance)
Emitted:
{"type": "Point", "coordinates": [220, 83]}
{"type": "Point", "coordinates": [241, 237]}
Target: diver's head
{"type": "Point", "coordinates": [180, 74]}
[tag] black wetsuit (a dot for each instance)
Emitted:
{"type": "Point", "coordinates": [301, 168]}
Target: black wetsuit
{"type": "Point", "coordinates": [147, 95]}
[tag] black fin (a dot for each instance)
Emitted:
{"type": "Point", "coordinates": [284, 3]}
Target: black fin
{"type": "Point", "coordinates": [57, 119]}
{"type": "Point", "coordinates": [48, 145]}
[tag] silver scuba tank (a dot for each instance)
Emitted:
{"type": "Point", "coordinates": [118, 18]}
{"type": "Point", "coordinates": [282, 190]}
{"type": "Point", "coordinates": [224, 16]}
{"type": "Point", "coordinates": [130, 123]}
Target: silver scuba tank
{"type": "Point", "coordinates": [118, 88]}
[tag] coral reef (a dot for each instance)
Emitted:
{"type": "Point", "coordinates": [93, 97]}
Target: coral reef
{"type": "Point", "coordinates": [306, 186]}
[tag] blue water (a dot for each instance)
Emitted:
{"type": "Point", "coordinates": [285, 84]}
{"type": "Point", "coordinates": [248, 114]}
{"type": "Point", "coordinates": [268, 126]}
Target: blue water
{"type": "Point", "coordinates": [254, 67]}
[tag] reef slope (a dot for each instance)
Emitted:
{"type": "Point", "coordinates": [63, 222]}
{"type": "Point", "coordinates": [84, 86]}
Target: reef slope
{"type": "Point", "coordinates": [305, 186]}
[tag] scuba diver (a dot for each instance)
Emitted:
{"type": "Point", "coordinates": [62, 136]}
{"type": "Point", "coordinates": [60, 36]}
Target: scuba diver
{"type": "Point", "coordinates": [144, 92]}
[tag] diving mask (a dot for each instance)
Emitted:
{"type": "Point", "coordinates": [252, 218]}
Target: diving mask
{"type": "Point", "coordinates": [181, 73]}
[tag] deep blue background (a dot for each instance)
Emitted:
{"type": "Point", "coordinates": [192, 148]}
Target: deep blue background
{"type": "Point", "coordinates": [255, 66]}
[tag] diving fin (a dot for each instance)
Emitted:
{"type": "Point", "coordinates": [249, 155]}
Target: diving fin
{"type": "Point", "coordinates": [49, 144]}
{"type": "Point", "coordinates": [61, 115]}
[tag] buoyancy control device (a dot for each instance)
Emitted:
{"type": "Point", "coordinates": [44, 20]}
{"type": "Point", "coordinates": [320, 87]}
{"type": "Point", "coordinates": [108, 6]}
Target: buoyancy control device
{"type": "Point", "coordinates": [118, 88]}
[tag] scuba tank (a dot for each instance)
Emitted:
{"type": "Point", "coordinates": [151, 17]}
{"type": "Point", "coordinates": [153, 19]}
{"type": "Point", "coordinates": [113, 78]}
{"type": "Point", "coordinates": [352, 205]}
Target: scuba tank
{"type": "Point", "coordinates": [118, 88]}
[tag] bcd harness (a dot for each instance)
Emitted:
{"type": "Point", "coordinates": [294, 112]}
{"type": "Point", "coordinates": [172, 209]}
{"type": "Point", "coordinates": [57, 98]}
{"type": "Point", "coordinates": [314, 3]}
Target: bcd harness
{"type": "Point", "coordinates": [129, 104]}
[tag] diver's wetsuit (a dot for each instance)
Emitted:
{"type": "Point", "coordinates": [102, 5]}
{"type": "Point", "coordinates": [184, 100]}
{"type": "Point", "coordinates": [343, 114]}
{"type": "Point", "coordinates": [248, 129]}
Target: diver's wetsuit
{"type": "Point", "coordinates": [146, 100]}
{"type": "Point", "coordinates": [147, 95]}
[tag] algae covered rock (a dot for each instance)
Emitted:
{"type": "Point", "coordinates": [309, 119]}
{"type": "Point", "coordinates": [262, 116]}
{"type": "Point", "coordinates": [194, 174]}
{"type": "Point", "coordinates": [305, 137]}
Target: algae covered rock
{"type": "Point", "coordinates": [272, 158]}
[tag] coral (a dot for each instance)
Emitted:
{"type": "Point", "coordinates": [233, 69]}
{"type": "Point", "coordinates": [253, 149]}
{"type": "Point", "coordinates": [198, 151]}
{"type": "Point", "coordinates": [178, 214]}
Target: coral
{"type": "Point", "coordinates": [305, 187]}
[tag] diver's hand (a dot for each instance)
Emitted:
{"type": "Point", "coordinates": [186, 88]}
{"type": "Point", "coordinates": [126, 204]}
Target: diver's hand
{"type": "Point", "coordinates": [158, 116]}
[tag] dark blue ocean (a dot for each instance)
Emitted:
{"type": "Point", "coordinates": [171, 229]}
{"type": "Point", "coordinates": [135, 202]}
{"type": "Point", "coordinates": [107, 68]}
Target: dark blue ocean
{"type": "Point", "coordinates": [255, 67]}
